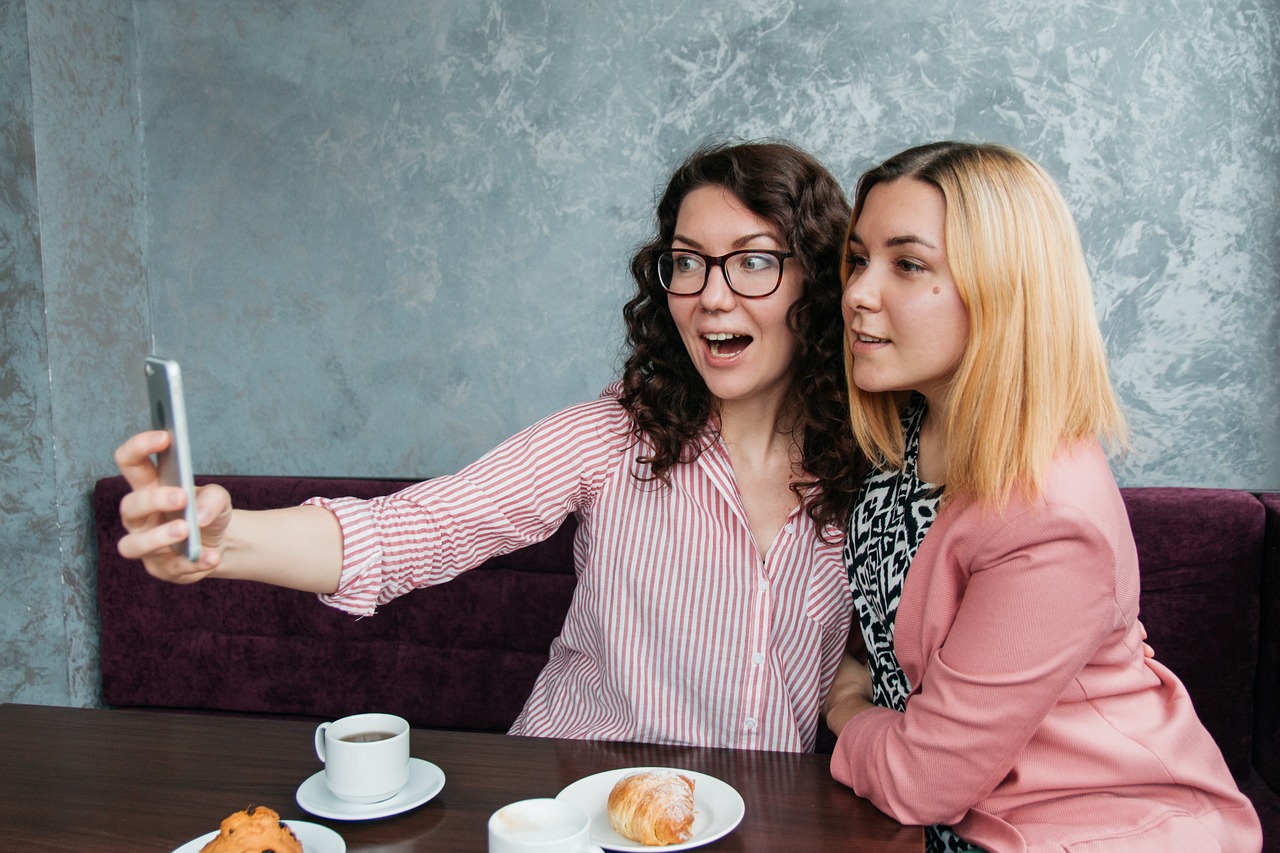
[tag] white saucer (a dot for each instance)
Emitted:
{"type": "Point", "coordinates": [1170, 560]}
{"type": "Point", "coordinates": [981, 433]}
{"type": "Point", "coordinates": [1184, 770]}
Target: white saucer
{"type": "Point", "coordinates": [314, 837]}
{"type": "Point", "coordinates": [717, 809]}
{"type": "Point", "coordinates": [425, 781]}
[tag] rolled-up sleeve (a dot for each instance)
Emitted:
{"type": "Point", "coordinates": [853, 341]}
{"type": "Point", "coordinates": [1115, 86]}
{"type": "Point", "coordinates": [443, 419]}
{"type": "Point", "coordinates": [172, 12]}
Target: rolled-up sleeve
{"type": "Point", "coordinates": [517, 494]}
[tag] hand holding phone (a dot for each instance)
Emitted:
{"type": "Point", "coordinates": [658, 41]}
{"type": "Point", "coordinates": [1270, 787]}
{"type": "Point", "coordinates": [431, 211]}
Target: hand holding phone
{"type": "Point", "coordinates": [169, 413]}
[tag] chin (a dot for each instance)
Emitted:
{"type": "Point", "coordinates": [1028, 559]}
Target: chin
{"type": "Point", "coordinates": [873, 384]}
{"type": "Point", "coordinates": [877, 389]}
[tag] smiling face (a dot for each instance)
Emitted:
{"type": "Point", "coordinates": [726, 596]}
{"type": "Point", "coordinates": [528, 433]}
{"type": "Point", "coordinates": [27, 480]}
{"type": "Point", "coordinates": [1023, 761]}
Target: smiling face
{"type": "Point", "coordinates": [743, 348]}
{"type": "Point", "coordinates": [906, 325]}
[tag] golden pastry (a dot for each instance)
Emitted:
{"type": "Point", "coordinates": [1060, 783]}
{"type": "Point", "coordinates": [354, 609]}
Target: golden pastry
{"type": "Point", "coordinates": [257, 829]}
{"type": "Point", "coordinates": [654, 807]}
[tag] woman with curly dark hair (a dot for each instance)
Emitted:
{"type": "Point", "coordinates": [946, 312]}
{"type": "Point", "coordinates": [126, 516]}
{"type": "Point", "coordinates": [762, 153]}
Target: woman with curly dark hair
{"type": "Point", "coordinates": [710, 486]}
{"type": "Point", "coordinates": [661, 387]}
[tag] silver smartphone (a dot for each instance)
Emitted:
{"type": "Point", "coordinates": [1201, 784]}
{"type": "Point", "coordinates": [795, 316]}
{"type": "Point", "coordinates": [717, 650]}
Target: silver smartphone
{"type": "Point", "coordinates": [169, 413]}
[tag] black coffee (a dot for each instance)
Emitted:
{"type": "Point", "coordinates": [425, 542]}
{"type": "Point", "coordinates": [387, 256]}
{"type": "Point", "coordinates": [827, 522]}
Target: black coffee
{"type": "Point", "coordinates": [367, 737]}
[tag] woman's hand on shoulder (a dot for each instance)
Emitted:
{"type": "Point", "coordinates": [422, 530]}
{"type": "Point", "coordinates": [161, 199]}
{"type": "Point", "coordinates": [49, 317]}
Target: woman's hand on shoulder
{"type": "Point", "coordinates": [152, 534]}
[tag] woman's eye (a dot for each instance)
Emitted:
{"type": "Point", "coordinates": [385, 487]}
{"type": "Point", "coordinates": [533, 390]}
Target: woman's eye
{"type": "Point", "coordinates": [687, 263]}
{"type": "Point", "coordinates": [857, 262]}
{"type": "Point", "coordinates": [758, 263]}
{"type": "Point", "coordinates": [909, 266]}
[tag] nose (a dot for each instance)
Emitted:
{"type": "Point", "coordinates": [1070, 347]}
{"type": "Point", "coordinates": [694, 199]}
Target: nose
{"type": "Point", "coordinates": [861, 293]}
{"type": "Point", "coordinates": [717, 295]}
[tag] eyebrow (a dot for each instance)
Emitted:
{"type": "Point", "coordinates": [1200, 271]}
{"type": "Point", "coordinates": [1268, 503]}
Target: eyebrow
{"type": "Point", "coordinates": [738, 243]}
{"type": "Point", "coordinates": [902, 240]}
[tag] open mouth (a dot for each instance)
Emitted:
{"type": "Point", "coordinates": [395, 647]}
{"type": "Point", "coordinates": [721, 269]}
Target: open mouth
{"type": "Point", "coordinates": [867, 339]}
{"type": "Point", "coordinates": [724, 344]}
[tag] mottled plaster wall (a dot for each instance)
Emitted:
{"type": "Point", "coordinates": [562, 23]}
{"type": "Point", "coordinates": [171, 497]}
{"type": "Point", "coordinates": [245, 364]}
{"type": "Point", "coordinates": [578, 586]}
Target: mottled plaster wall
{"type": "Point", "coordinates": [399, 234]}
{"type": "Point", "coordinates": [91, 326]}
{"type": "Point", "coordinates": [382, 236]}
{"type": "Point", "coordinates": [32, 633]}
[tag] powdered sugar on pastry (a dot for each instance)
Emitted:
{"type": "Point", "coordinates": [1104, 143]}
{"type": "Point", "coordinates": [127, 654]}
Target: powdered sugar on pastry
{"type": "Point", "coordinates": [653, 807]}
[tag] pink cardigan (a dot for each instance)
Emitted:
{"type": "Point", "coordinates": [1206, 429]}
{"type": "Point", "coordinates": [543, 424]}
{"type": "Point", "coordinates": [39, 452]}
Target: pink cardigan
{"type": "Point", "coordinates": [1035, 722]}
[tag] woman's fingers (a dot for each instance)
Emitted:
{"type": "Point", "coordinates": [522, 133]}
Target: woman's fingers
{"type": "Point", "coordinates": [152, 532]}
{"type": "Point", "coordinates": [133, 458]}
{"type": "Point", "coordinates": [152, 542]}
{"type": "Point", "coordinates": [146, 506]}
{"type": "Point", "coordinates": [213, 509]}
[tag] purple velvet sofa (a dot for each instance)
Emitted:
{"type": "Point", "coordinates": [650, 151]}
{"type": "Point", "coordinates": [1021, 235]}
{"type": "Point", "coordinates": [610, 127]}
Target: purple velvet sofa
{"type": "Point", "coordinates": [465, 654]}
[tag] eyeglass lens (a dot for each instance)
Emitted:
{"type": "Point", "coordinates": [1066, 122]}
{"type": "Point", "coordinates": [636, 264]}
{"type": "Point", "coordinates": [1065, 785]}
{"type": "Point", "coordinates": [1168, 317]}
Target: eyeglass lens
{"type": "Point", "coordinates": [749, 273]}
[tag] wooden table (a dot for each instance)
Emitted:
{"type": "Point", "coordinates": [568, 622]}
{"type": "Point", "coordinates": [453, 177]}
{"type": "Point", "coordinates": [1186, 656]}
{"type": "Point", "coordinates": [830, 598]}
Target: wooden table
{"type": "Point", "coordinates": [74, 779]}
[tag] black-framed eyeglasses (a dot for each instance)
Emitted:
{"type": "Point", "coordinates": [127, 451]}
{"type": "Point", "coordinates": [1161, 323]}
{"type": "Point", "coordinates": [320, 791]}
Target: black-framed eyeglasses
{"type": "Point", "coordinates": [752, 273]}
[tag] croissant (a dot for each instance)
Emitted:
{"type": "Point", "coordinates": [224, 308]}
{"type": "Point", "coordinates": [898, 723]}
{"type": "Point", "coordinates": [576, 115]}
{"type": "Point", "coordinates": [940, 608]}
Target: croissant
{"type": "Point", "coordinates": [654, 807]}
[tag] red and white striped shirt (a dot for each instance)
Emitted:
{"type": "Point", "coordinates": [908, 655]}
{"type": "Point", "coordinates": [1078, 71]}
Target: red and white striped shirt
{"type": "Point", "coordinates": [678, 632]}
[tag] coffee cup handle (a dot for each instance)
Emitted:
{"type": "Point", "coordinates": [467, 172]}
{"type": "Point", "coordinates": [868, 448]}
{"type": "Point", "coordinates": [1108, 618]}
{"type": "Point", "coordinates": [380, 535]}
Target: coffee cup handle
{"type": "Point", "coordinates": [320, 730]}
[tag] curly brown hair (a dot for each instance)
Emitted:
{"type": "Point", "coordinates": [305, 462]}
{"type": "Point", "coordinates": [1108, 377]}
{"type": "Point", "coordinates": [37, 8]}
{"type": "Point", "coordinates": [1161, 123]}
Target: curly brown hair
{"type": "Point", "coordinates": [668, 400]}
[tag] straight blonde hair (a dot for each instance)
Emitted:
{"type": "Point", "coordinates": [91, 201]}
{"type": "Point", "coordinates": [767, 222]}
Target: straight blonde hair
{"type": "Point", "coordinates": [1034, 373]}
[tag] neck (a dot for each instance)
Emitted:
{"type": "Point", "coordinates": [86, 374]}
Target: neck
{"type": "Point", "coordinates": [931, 466]}
{"type": "Point", "coordinates": [753, 426]}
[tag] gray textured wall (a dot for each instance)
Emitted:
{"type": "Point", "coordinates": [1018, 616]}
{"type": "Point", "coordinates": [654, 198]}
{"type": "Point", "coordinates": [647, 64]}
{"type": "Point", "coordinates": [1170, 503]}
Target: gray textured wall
{"type": "Point", "coordinates": [382, 236]}
{"type": "Point", "coordinates": [74, 324]}
{"type": "Point", "coordinates": [31, 631]}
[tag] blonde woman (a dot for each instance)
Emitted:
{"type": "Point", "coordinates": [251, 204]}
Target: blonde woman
{"type": "Point", "coordinates": [1007, 703]}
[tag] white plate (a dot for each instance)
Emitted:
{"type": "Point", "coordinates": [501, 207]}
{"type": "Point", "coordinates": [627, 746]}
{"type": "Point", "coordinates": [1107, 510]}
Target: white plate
{"type": "Point", "coordinates": [717, 809]}
{"type": "Point", "coordinates": [425, 781]}
{"type": "Point", "coordinates": [314, 837]}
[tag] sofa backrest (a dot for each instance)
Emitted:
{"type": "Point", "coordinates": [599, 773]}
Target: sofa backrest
{"type": "Point", "coordinates": [465, 654]}
{"type": "Point", "coordinates": [1266, 705]}
{"type": "Point", "coordinates": [1200, 554]}
{"type": "Point", "coordinates": [462, 655]}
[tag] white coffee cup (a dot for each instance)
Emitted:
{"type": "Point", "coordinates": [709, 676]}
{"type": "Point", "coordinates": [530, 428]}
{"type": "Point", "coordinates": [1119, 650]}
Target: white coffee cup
{"type": "Point", "coordinates": [540, 826]}
{"type": "Point", "coordinates": [366, 756]}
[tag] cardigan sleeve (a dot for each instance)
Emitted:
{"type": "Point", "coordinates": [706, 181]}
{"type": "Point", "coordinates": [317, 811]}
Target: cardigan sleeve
{"type": "Point", "coordinates": [1039, 601]}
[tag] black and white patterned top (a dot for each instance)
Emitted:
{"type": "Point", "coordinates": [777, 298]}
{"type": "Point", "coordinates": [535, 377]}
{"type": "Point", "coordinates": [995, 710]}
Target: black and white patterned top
{"type": "Point", "coordinates": [888, 523]}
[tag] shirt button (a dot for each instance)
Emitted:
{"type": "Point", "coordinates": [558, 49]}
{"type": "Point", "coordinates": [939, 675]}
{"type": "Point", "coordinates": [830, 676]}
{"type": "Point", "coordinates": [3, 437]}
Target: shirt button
{"type": "Point", "coordinates": [791, 527]}
{"type": "Point", "coordinates": [757, 659]}
{"type": "Point", "coordinates": [751, 724]}
{"type": "Point", "coordinates": [763, 586]}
